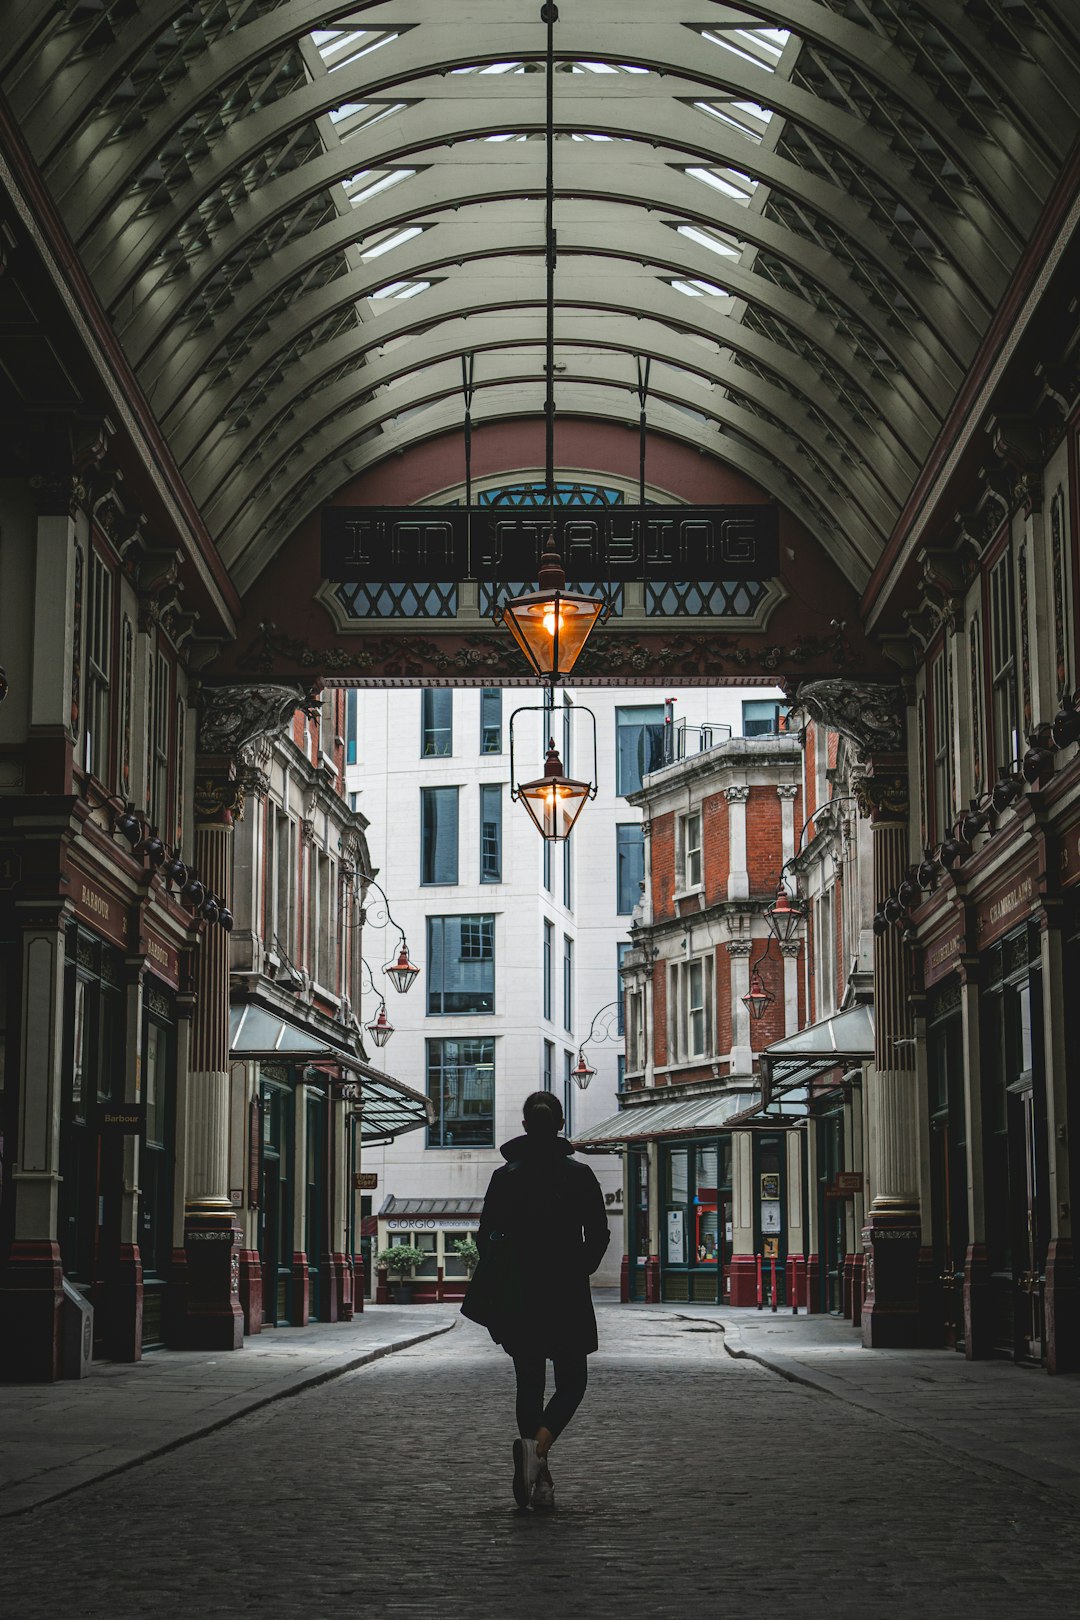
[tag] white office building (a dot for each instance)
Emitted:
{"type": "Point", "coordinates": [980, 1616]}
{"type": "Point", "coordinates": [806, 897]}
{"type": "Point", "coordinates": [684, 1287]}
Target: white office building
{"type": "Point", "coordinates": [519, 942]}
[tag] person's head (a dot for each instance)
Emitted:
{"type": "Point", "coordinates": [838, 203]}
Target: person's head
{"type": "Point", "coordinates": [542, 1115]}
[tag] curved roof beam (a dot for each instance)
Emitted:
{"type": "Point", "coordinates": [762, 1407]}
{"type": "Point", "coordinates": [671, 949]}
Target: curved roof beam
{"type": "Point", "coordinates": [316, 382]}
{"type": "Point", "coordinates": [858, 509]}
{"type": "Point", "coordinates": [119, 242]}
{"type": "Point", "coordinates": [632, 241]}
{"type": "Point", "coordinates": [937, 328]}
{"type": "Point", "coordinates": [100, 180]}
{"type": "Point", "coordinates": [642, 295]}
{"type": "Point", "coordinates": [250, 549]}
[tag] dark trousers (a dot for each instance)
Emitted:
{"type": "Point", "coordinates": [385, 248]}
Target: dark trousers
{"type": "Point", "coordinates": [571, 1377]}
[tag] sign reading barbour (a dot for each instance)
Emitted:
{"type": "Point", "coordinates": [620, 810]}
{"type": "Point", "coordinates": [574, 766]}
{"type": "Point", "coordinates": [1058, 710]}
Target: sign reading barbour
{"type": "Point", "coordinates": [381, 544]}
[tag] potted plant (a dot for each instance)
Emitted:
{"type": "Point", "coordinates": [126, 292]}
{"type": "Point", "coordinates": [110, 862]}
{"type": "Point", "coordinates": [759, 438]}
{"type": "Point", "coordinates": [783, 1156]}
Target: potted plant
{"type": "Point", "coordinates": [470, 1254]}
{"type": "Point", "coordinates": [400, 1261]}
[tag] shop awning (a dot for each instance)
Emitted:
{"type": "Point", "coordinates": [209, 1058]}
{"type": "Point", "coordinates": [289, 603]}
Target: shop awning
{"type": "Point", "coordinates": [843, 1041]}
{"type": "Point", "coordinates": [431, 1209]}
{"type": "Point", "coordinates": [687, 1116]}
{"type": "Point", "coordinates": [259, 1035]}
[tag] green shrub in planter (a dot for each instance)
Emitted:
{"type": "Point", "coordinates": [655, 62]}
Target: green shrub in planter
{"type": "Point", "coordinates": [401, 1259]}
{"type": "Point", "coordinates": [470, 1254]}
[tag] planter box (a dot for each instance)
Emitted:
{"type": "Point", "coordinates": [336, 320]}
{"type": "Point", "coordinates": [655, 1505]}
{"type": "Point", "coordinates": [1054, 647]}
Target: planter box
{"type": "Point", "coordinates": [401, 1293]}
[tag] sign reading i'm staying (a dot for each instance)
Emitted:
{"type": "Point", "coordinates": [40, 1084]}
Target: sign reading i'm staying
{"type": "Point", "coordinates": [446, 544]}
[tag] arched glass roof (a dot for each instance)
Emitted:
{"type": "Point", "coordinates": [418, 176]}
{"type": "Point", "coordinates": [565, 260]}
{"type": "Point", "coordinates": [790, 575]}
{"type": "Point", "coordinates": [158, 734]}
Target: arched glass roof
{"type": "Point", "coordinates": [300, 216]}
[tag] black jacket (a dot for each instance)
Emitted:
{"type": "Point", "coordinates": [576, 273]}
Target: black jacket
{"type": "Point", "coordinates": [543, 1232]}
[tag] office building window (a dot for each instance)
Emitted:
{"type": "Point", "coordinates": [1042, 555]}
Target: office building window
{"type": "Point", "coordinates": [567, 877]}
{"type": "Point", "coordinates": [352, 702]}
{"type": "Point", "coordinates": [547, 865]}
{"type": "Point", "coordinates": [461, 964]}
{"type": "Point", "coordinates": [568, 1093]}
{"type": "Point", "coordinates": [491, 720]}
{"type": "Point", "coordinates": [549, 1065]}
{"type": "Point", "coordinates": [437, 721]}
{"type": "Point", "coordinates": [568, 982]}
{"type": "Point", "coordinates": [439, 835]}
{"type": "Point", "coordinates": [549, 968]}
{"type": "Point", "coordinates": [763, 717]}
{"type": "Point", "coordinates": [491, 833]}
{"type": "Point", "coordinates": [639, 745]}
{"type": "Point", "coordinates": [629, 865]}
{"type": "Point", "coordinates": [461, 1085]}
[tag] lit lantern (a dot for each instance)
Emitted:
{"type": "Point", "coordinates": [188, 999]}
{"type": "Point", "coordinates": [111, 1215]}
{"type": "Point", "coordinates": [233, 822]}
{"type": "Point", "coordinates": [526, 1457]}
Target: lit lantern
{"type": "Point", "coordinates": [554, 800]}
{"type": "Point", "coordinates": [551, 625]}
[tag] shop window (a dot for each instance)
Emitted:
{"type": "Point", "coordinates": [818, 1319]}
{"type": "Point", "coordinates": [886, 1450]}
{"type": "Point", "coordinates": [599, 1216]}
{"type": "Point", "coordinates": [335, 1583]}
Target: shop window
{"type": "Point", "coordinates": [568, 982]}
{"type": "Point", "coordinates": [491, 720]}
{"type": "Point", "coordinates": [629, 865]}
{"type": "Point", "coordinates": [461, 1085]}
{"type": "Point", "coordinates": [452, 1263]}
{"type": "Point", "coordinates": [1003, 664]}
{"type": "Point", "coordinates": [439, 835]}
{"type": "Point", "coordinates": [461, 964]}
{"type": "Point", "coordinates": [437, 722]}
{"type": "Point", "coordinates": [549, 969]}
{"type": "Point", "coordinates": [639, 745]}
{"type": "Point", "coordinates": [491, 833]}
{"type": "Point", "coordinates": [98, 670]}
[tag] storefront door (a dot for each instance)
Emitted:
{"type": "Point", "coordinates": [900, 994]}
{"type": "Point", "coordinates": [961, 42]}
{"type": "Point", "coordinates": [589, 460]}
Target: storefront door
{"type": "Point", "coordinates": [832, 1212]}
{"type": "Point", "coordinates": [275, 1200]}
{"type": "Point", "coordinates": [156, 1158]}
{"type": "Point", "coordinates": [637, 1246]}
{"type": "Point", "coordinates": [315, 1211]}
{"type": "Point", "coordinates": [696, 1178]}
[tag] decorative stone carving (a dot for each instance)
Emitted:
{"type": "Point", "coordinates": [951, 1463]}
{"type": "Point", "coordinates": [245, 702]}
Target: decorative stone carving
{"type": "Point", "coordinates": [882, 796]}
{"type": "Point", "coordinates": [739, 947]}
{"type": "Point", "coordinates": [787, 790]}
{"type": "Point", "coordinates": [232, 717]}
{"type": "Point", "coordinates": [1019, 446]}
{"type": "Point", "coordinates": [737, 794]}
{"type": "Point", "coordinates": [868, 714]}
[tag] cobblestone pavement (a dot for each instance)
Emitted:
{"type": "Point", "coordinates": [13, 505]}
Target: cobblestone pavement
{"type": "Point", "coordinates": [691, 1483]}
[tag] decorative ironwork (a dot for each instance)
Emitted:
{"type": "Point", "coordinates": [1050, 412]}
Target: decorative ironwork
{"type": "Point", "coordinates": [702, 598]}
{"type": "Point", "coordinates": [566, 494]}
{"type": "Point", "coordinates": [415, 599]}
{"type": "Point", "coordinates": [492, 594]}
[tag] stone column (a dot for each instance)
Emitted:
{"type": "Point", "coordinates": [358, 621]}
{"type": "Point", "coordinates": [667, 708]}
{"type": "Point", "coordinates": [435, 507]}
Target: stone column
{"type": "Point", "coordinates": [976, 1267]}
{"type": "Point", "coordinates": [790, 954]}
{"type": "Point", "coordinates": [796, 1235]}
{"type": "Point", "coordinates": [743, 1269]}
{"type": "Point", "coordinates": [742, 1058]}
{"type": "Point", "coordinates": [31, 1286]}
{"type": "Point", "coordinates": [212, 1235]}
{"type": "Point", "coordinates": [893, 1233]}
{"type": "Point", "coordinates": [738, 885]}
{"type": "Point", "coordinates": [787, 793]}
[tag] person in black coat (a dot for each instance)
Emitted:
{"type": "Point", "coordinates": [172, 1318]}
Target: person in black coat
{"type": "Point", "coordinates": [543, 1232]}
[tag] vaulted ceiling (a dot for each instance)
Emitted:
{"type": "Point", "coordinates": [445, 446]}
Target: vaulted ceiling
{"type": "Point", "coordinates": [299, 217]}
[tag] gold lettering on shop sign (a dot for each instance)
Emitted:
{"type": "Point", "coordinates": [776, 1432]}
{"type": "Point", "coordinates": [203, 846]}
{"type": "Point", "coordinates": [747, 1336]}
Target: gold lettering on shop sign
{"type": "Point", "coordinates": [95, 902]}
{"type": "Point", "coordinates": [944, 953]}
{"type": "Point", "coordinates": [158, 952]}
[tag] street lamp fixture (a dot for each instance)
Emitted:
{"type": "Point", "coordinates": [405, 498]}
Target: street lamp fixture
{"type": "Point", "coordinates": [759, 998]}
{"type": "Point", "coordinates": [581, 1074]}
{"type": "Point", "coordinates": [551, 625]}
{"type": "Point", "coordinates": [554, 800]}
{"type": "Point", "coordinates": [380, 1029]}
{"type": "Point", "coordinates": [784, 915]}
{"type": "Point", "coordinates": [402, 973]}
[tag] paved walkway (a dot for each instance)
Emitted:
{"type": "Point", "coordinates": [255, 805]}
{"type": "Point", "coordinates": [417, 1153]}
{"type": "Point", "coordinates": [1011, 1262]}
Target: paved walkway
{"type": "Point", "coordinates": [55, 1438]}
{"type": "Point", "coordinates": [692, 1482]}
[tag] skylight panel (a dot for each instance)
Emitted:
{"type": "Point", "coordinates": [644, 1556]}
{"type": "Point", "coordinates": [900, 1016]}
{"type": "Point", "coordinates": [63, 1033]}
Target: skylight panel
{"type": "Point", "coordinates": [706, 240]}
{"type": "Point", "coordinates": [400, 289]}
{"type": "Point", "coordinates": [393, 241]}
{"type": "Point", "coordinates": [730, 187]}
{"type": "Point", "coordinates": [699, 289]}
{"type": "Point", "coordinates": [383, 183]}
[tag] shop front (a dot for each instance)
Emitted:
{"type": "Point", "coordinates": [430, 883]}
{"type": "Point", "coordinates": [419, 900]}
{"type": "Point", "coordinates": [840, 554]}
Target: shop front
{"type": "Point", "coordinates": [435, 1227]}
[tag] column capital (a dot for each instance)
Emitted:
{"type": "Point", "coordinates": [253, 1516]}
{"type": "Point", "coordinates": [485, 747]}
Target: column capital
{"type": "Point", "coordinates": [739, 947]}
{"type": "Point", "coordinates": [787, 790]}
{"type": "Point", "coordinates": [738, 794]}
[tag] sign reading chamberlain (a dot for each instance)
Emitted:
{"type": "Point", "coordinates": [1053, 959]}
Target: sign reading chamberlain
{"type": "Point", "coordinates": [383, 544]}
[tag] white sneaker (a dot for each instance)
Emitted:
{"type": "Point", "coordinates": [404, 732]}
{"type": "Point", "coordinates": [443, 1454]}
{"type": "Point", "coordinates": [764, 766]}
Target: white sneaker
{"type": "Point", "coordinates": [543, 1495]}
{"type": "Point", "coordinates": [526, 1468]}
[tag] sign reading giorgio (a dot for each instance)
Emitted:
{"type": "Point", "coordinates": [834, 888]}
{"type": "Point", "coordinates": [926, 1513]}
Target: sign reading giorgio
{"type": "Point", "coordinates": [384, 544]}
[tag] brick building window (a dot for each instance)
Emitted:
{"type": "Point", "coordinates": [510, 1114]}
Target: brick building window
{"type": "Point", "coordinates": [690, 837]}
{"type": "Point", "coordinates": [691, 1009]}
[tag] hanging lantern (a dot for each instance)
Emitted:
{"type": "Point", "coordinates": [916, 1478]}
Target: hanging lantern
{"type": "Point", "coordinates": [402, 973]}
{"type": "Point", "coordinates": [554, 800]}
{"type": "Point", "coordinates": [784, 916]}
{"type": "Point", "coordinates": [380, 1029]}
{"type": "Point", "coordinates": [551, 625]}
{"type": "Point", "coordinates": [758, 999]}
{"type": "Point", "coordinates": [581, 1074]}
